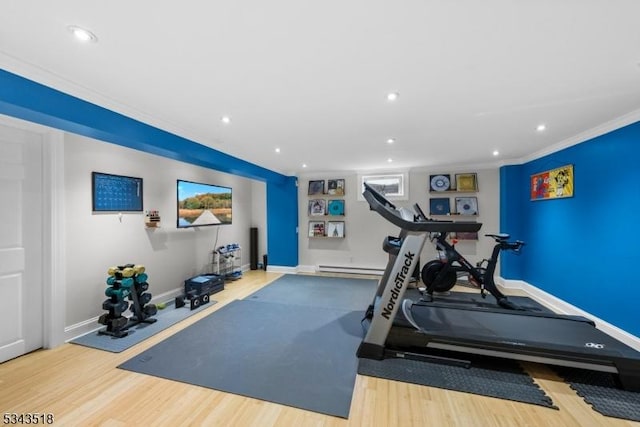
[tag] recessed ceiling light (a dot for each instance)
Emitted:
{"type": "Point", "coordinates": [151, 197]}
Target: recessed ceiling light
{"type": "Point", "coordinates": [390, 141]}
{"type": "Point", "coordinates": [226, 120]}
{"type": "Point", "coordinates": [389, 160]}
{"type": "Point", "coordinates": [496, 152]}
{"type": "Point", "coordinates": [82, 34]}
{"type": "Point", "coordinates": [392, 96]}
{"type": "Point", "coordinates": [304, 165]}
{"type": "Point", "coordinates": [541, 127]}
{"type": "Point", "coordinates": [277, 150]}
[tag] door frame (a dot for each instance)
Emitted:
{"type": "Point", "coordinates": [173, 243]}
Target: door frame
{"type": "Point", "coordinates": [53, 229]}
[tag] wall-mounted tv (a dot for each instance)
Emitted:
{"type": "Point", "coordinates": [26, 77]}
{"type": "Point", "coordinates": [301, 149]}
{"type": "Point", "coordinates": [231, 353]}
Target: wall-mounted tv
{"type": "Point", "coordinates": [115, 193]}
{"type": "Point", "coordinates": [203, 204]}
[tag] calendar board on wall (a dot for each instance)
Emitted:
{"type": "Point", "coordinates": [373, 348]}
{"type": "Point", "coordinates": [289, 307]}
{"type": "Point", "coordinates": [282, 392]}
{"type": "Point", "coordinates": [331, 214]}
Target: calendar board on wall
{"type": "Point", "coordinates": [115, 193]}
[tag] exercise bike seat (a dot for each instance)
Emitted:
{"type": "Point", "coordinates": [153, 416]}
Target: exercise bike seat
{"type": "Point", "coordinates": [500, 237]}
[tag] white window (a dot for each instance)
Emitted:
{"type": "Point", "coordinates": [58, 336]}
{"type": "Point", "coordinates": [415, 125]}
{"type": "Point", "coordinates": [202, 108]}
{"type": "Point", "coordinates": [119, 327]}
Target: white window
{"type": "Point", "coordinates": [394, 186]}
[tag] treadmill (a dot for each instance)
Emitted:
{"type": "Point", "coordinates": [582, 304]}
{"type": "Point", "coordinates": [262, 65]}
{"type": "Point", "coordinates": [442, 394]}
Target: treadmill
{"type": "Point", "coordinates": [397, 327]}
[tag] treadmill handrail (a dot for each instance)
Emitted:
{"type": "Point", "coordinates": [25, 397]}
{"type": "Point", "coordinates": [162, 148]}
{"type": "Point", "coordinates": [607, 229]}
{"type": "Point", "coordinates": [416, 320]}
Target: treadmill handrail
{"type": "Point", "coordinates": [387, 210]}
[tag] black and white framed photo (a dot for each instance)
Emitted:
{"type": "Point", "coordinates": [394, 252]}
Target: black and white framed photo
{"type": "Point", "coordinates": [317, 207]}
{"type": "Point", "coordinates": [467, 205]}
{"type": "Point", "coordinates": [335, 207]}
{"type": "Point", "coordinates": [316, 187]}
{"type": "Point", "coordinates": [335, 229]}
{"type": "Point", "coordinates": [335, 187]}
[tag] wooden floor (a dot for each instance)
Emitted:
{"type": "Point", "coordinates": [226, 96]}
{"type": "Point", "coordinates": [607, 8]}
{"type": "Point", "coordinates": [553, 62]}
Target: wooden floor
{"type": "Point", "coordinates": [82, 387]}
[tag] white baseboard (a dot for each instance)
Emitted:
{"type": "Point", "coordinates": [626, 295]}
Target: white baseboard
{"type": "Point", "coordinates": [307, 269]}
{"type": "Point", "coordinates": [327, 269]}
{"type": "Point", "coordinates": [349, 269]}
{"type": "Point", "coordinates": [281, 269]}
{"type": "Point", "coordinates": [90, 325]}
{"type": "Point", "coordinates": [562, 307]}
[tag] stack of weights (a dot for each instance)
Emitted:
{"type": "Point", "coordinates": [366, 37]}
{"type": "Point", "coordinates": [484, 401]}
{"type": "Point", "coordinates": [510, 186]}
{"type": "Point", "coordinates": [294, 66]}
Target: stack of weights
{"type": "Point", "coordinates": [128, 281]}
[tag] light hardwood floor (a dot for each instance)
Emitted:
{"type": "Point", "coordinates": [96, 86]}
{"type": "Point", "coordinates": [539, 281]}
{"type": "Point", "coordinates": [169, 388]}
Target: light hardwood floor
{"type": "Point", "coordinates": [82, 387]}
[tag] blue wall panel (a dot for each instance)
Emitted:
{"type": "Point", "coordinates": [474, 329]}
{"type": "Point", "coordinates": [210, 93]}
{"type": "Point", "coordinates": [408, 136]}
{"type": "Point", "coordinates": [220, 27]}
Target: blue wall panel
{"type": "Point", "coordinates": [282, 223]}
{"type": "Point", "coordinates": [582, 249]}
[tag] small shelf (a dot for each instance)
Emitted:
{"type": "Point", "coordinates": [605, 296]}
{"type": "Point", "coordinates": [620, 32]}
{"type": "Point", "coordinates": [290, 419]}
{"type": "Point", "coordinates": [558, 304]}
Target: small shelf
{"type": "Point", "coordinates": [454, 214]}
{"type": "Point", "coordinates": [453, 191]}
{"type": "Point", "coordinates": [152, 219]}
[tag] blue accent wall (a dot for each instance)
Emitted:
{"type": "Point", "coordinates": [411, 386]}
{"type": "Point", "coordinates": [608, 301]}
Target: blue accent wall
{"type": "Point", "coordinates": [34, 102]}
{"type": "Point", "coordinates": [282, 234]}
{"type": "Point", "coordinates": [582, 249]}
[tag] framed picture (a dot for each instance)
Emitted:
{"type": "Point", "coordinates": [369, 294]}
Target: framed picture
{"type": "Point", "coordinates": [316, 187]}
{"type": "Point", "coordinates": [316, 229]}
{"type": "Point", "coordinates": [439, 206]}
{"type": "Point", "coordinates": [335, 187]}
{"type": "Point", "coordinates": [335, 229]}
{"type": "Point", "coordinates": [466, 182]}
{"type": "Point", "coordinates": [335, 207]}
{"type": "Point", "coordinates": [317, 207]}
{"type": "Point", "coordinates": [552, 184]}
{"type": "Point", "coordinates": [440, 182]}
{"type": "Point", "coordinates": [467, 235]}
{"type": "Point", "coordinates": [467, 205]}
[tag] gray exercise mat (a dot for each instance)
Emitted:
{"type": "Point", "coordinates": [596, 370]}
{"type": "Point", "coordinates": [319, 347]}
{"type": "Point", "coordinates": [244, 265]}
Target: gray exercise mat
{"type": "Point", "coordinates": [600, 390]}
{"type": "Point", "coordinates": [499, 378]}
{"type": "Point", "coordinates": [319, 291]}
{"type": "Point", "coordinates": [140, 332]}
{"type": "Point", "coordinates": [295, 355]}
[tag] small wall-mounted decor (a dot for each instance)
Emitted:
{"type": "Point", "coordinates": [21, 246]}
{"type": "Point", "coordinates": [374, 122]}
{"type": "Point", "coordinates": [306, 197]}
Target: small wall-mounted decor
{"type": "Point", "coordinates": [468, 235]}
{"type": "Point", "coordinates": [467, 205]}
{"type": "Point", "coordinates": [335, 229]}
{"type": "Point", "coordinates": [316, 187]}
{"type": "Point", "coordinates": [467, 182]}
{"type": "Point", "coordinates": [152, 219]}
{"type": "Point", "coordinates": [552, 184]}
{"type": "Point", "coordinates": [317, 207]}
{"type": "Point", "coordinates": [335, 187]}
{"type": "Point", "coordinates": [439, 206]}
{"type": "Point", "coordinates": [335, 207]}
{"type": "Point", "coordinates": [316, 229]}
{"type": "Point", "coordinates": [440, 182]}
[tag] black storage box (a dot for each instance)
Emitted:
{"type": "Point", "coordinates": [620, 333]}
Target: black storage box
{"type": "Point", "coordinates": [203, 284]}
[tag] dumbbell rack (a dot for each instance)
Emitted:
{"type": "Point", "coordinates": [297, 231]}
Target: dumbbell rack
{"type": "Point", "coordinates": [127, 281]}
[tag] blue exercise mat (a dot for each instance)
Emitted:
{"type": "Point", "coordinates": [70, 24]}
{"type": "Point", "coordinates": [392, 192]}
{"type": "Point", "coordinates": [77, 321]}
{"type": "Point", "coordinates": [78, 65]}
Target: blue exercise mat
{"type": "Point", "coordinates": [297, 355]}
{"type": "Point", "coordinates": [140, 332]}
{"type": "Point", "coordinates": [319, 291]}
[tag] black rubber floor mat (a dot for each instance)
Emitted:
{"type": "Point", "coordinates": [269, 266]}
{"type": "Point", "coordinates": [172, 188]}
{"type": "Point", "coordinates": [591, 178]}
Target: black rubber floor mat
{"type": "Point", "coordinates": [599, 389]}
{"type": "Point", "coordinates": [499, 378]}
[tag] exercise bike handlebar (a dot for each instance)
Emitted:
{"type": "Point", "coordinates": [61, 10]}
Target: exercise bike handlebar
{"type": "Point", "coordinates": [388, 211]}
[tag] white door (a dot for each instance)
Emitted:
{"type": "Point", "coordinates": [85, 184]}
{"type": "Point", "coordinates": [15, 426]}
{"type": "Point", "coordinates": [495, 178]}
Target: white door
{"type": "Point", "coordinates": [21, 232]}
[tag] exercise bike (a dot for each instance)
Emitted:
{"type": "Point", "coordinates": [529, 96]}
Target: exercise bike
{"type": "Point", "coordinates": [440, 275]}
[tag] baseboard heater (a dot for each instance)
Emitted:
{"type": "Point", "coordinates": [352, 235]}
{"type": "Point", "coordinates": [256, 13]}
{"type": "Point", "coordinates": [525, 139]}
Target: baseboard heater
{"type": "Point", "coordinates": [350, 270]}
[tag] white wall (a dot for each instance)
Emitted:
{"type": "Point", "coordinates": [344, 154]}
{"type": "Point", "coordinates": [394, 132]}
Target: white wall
{"type": "Point", "coordinates": [94, 242]}
{"type": "Point", "coordinates": [365, 230]}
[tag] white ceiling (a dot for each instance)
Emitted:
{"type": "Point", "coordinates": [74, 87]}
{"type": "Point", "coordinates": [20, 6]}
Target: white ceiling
{"type": "Point", "coordinates": [311, 77]}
